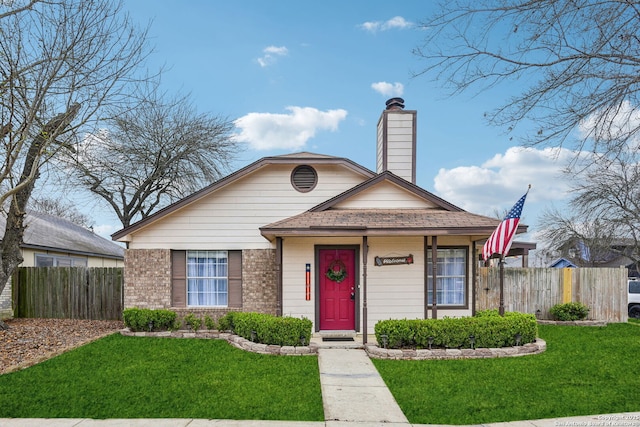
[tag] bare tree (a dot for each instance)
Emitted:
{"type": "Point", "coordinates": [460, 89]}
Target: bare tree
{"type": "Point", "coordinates": [60, 62]}
{"type": "Point", "coordinates": [12, 7]}
{"type": "Point", "coordinates": [603, 218]}
{"type": "Point", "coordinates": [576, 61]}
{"type": "Point", "coordinates": [152, 154]}
{"type": "Point", "coordinates": [62, 209]}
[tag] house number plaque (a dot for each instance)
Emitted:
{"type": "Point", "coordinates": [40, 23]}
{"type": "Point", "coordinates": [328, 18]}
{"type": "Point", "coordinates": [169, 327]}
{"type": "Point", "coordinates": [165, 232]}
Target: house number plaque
{"type": "Point", "coordinates": [393, 260]}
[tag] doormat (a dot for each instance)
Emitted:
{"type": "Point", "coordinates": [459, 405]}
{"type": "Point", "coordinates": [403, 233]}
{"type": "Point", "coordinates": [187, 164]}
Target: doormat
{"type": "Point", "coordinates": [337, 339]}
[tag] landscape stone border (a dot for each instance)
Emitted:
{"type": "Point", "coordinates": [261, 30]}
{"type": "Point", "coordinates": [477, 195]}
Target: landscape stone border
{"type": "Point", "coordinates": [234, 340]}
{"type": "Point", "coordinates": [536, 347]}
{"type": "Point", "coordinates": [372, 350]}
{"type": "Point", "coordinates": [573, 322]}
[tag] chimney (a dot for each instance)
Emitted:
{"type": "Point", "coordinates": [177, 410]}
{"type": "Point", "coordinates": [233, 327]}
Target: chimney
{"type": "Point", "coordinates": [396, 141]}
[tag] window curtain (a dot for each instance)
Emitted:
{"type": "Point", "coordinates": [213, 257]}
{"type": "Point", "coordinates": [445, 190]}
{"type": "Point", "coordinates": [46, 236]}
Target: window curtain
{"type": "Point", "coordinates": [451, 277]}
{"type": "Point", "coordinates": [207, 278]}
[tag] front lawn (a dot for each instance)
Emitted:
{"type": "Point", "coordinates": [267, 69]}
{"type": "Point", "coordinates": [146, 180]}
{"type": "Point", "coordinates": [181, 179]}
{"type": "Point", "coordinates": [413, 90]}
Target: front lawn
{"type": "Point", "coordinates": [585, 371]}
{"type": "Point", "coordinates": [134, 377]}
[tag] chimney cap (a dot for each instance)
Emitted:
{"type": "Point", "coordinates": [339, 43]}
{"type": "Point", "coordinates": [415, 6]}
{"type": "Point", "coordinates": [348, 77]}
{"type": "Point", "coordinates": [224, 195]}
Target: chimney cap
{"type": "Point", "coordinates": [395, 104]}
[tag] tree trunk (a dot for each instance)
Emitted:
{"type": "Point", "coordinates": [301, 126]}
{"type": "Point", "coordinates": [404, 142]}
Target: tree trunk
{"type": "Point", "coordinates": [10, 247]}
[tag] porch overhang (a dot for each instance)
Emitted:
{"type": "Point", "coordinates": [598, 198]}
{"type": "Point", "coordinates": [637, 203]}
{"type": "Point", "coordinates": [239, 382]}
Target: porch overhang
{"type": "Point", "coordinates": [384, 222]}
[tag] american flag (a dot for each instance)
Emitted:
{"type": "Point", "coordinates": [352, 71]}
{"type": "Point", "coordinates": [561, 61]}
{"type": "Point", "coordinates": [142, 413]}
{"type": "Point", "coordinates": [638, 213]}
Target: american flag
{"type": "Point", "coordinates": [502, 237]}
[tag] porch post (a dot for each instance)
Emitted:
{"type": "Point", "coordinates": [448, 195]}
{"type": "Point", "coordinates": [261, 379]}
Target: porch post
{"type": "Point", "coordinates": [434, 273]}
{"type": "Point", "coordinates": [426, 277]}
{"type": "Point", "coordinates": [279, 276]}
{"type": "Point", "coordinates": [365, 251]}
{"type": "Point", "coordinates": [474, 276]}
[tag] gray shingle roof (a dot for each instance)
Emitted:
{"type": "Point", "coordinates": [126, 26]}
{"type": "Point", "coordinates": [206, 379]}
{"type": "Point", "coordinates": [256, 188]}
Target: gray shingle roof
{"type": "Point", "coordinates": [50, 232]}
{"type": "Point", "coordinates": [384, 222]}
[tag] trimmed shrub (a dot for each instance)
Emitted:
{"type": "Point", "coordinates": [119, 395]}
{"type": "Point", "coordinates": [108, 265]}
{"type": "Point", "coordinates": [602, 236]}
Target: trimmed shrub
{"type": "Point", "coordinates": [226, 323]}
{"type": "Point", "coordinates": [569, 311]}
{"type": "Point", "coordinates": [489, 329]}
{"type": "Point", "coordinates": [209, 323]}
{"type": "Point", "coordinates": [268, 329]}
{"type": "Point", "coordinates": [144, 319]}
{"type": "Point", "coordinates": [193, 321]}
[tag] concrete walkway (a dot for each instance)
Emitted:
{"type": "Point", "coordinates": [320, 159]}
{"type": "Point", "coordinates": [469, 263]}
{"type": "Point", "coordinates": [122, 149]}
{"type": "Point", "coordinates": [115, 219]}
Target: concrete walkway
{"type": "Point", "coordinates": [352, 389]}
{"type": "Point", "coordinates": [353, 395]}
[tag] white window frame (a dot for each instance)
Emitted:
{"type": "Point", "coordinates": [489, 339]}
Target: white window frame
{"type": "Point", "coordinates": [207, 278]}
{"type": "Point", "coordinates": [451, 277]}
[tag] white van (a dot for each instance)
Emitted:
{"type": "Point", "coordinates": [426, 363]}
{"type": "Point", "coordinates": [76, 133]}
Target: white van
{"type": "Point", "coordinates": [633, 298]}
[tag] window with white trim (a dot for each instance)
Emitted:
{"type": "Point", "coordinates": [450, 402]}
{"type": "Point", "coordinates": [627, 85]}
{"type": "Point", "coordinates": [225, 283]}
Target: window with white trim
{"type": "Point", "coordinates": [207, 278]}
{"type": "Point", "coordinates": [46, 260]}
{"type": "Point", "coordinates": [451, 277]}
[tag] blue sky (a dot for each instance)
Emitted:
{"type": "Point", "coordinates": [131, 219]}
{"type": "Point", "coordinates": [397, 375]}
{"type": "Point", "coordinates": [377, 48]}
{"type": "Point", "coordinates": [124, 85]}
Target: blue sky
{"type": "Point", "coordinates": [314, 76]}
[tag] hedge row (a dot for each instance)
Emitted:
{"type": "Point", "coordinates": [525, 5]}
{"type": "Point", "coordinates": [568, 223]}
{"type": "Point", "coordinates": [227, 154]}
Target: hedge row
{"type": "Point", "coordinates": [488, 328]}
{"type": "Point", "coordinates": [257, 327]}
{"type": "Point", "coordinates": [145, 319]}
{"type": "Point", "coordinates": [268, 329]}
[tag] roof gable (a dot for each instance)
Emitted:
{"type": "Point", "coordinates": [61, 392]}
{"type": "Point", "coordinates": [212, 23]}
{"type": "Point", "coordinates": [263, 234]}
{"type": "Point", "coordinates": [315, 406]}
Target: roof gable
{"type": "Point", "coordinates": [407, 193]}
{"type": "Point", "coordinates": [303, 158]}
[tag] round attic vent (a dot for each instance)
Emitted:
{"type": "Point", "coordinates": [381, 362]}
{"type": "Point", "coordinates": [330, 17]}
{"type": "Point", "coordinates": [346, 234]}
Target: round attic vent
{"type": "Point", "coordinates": [304, 178]}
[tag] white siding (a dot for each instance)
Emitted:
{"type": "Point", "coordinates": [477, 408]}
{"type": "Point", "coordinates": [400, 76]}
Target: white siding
{"type": "Point", "coordinates": [393, 292]}
{"type": "Point", "coordinates": [29, 256]}
{"type": "Point", "coordinates": [385, 195]}
{"type": "Point", "coordinates": [296, 253]}
{"type": "Point", "coordinates": [379, 146]}
{"type": "Point", "coordinates": [230, 217]}
{"type": "Point", "coordinates": [400, 145]}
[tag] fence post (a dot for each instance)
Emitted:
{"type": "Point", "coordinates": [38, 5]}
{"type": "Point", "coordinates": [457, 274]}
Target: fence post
{"type": "Point", "coordinates": [567, 285]}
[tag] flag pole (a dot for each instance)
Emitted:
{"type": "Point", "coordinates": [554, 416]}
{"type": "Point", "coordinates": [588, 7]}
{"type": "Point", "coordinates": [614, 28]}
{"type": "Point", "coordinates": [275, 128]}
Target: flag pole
{"type": "Point", "coordinates": [501, 309]}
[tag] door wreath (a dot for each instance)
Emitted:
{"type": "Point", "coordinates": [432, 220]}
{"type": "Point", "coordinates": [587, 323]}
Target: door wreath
{"type": "Point", "coordinates": [337, 271]}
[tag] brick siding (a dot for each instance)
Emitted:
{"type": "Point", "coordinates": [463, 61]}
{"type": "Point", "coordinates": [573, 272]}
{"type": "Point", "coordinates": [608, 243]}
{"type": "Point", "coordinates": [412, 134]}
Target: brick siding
{"type": "Point", "coordinates": [259, 278]}
{"type": "Point", "coordinates": [147, 282]}
{"type": "Point", "coordinates": [147, 278]}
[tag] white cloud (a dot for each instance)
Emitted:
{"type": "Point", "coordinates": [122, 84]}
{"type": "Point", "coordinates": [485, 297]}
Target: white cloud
{"type": "Point", "coordinates": [612, 124]}
{"type": "Point", "coordinates": [271, 54]}
{"type": "Point", "coordinates": [397, 22]}
{"type": "Point", "coordinates": [388, 89]}
{"type": "Point", "coordinates": [500, 181]}
{"type": "Point", "coordinates": [266, 131]}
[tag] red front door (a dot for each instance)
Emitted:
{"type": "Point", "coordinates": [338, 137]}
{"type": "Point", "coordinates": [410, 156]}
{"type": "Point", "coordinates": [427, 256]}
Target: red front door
{"type": "Point", "coordinates": [337, 268]}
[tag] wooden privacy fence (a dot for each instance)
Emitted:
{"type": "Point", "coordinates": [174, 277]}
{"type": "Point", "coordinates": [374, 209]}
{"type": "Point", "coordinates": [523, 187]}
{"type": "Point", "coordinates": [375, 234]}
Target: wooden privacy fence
{"type": "Point", "coordinates": [68, 293]}
{"type": "Point", "coordinates": [603, 290]}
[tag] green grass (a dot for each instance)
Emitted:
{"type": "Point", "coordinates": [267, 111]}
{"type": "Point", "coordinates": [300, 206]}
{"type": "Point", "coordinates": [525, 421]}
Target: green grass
{"type": "Point", "coordinates": [585, 371]}
{"type": "Point", "coordinates": [133, 377]}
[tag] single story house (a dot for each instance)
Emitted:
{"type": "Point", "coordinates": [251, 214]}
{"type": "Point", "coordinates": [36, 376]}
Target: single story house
{"type": "Point", "coordinates": [51, 241]}
{"type": "Point", "coordinates": [315, 236]}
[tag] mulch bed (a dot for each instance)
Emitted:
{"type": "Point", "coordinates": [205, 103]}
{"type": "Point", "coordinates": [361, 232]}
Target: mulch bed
{"type": "Point", "coordinates": [31, 341]}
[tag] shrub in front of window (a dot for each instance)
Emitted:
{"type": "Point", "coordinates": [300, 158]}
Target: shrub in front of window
{"type": "Point", "coordinates": [268, 329]}
{"type": "Point", "coordinates": [226, 323]}
{"type": "Point", "coordinates": [488, 329]}
{"type": "Point", "coordinates": [192, 321]}
{"type": "Point", "coordinates": [569, 311]}
{"type": "Point", "coordinates": [210, 323]}
{"type": "Point", "coordinates": [147, 320]}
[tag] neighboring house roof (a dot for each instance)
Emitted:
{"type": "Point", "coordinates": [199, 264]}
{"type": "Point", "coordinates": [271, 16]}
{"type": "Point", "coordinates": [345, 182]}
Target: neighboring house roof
{"type": "Point", "coordinates": [49, 232]}
{"type": "Point", "coordinates": [292, 159]}
{"type": "Point", "coordinates": [562, 263]}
